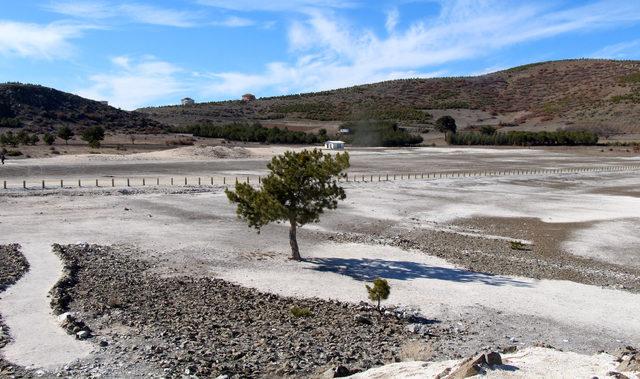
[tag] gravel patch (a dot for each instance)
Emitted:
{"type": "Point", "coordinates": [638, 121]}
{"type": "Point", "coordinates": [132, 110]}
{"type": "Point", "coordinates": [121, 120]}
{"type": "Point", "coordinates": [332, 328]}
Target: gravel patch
{"type": "Point", "coordinates": [148, 324]}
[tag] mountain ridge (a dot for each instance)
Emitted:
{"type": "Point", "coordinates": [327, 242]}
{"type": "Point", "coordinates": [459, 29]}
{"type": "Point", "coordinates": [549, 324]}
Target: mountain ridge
{"type": "Point", "coordinates": [577, 93]}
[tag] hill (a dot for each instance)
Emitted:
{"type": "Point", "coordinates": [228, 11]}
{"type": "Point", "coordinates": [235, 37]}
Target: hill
{"type": "Point", "coordinates": [42, 109]}
{"type": "Point", "coordinates": [601, 95]}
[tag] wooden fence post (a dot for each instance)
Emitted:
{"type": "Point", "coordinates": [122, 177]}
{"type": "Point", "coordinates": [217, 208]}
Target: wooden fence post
{"type": "Point", "coordinates": [43, 184]}
{"type": "Point", "coordinates": [113, 182]}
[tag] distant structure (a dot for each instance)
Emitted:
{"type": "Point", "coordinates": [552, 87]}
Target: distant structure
{"type": "Point", "coordinates": [104, 102]}
{"type": "Point", "coordinates": [344, 131]}
{"type": "Point", "coordinates": [248, 97]}
{"type": "Point", "coordinates": [334, 145]}
{"type": "Point", "coordinates": [188, 101]}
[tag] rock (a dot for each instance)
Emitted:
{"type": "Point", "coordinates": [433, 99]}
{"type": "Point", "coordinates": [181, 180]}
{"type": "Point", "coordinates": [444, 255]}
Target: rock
{"type": "Point", "coordinates": [83, 335]}
{"type": "Point", "coordinates": [617, 375]}
{"type": "Point", "coordinates": [363, 319]}
{"type": "Point", "coordinates": [510, 349]}
{"type": "Point", "coordinates": [629, 360]}
{"type": "Point", "coordinates": [341, 372]}
{"type": "Point", "coordinates": [493, 358]}
{"type": "Point", "coordinates": [469, 367]}
{"type": "Point", "coordinates": [103, 343]}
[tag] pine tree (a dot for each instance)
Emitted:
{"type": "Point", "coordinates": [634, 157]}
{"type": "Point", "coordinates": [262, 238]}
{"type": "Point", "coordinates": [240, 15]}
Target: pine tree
{"type": "Point", "coordinates": [299, 187]}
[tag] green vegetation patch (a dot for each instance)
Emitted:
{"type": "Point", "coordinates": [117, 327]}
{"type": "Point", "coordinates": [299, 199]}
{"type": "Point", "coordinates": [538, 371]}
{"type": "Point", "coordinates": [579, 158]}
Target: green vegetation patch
{"type": "Point", "coordinates": [255, 132]}
{"type": "Point", "coordinates": [519, 138]}
{"type": "Point", "coordinates": [379, 133]}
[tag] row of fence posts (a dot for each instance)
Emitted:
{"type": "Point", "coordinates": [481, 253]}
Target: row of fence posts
{"type": "Point", "coordinates": [381, 177]}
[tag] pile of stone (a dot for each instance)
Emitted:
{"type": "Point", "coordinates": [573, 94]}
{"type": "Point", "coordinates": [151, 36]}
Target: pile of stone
{"type": "Point", "coordinates": [174, 326]}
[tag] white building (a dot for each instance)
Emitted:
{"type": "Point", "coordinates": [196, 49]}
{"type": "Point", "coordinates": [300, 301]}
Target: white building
{"type": "Point", "coordinates": [334, 145]}
{"type": "Point", "coordinates": [188, 101]}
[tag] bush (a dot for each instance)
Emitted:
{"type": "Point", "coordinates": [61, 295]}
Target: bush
{"type": "Point", "coordinates": [245, 132]}
{"type": "Point", "coordinates": [10, 123]}
{"type": "Point", "coordinates": [518, 138]}
{"type": "Point", "coordinates": [380, 291]}
{"type": "Point", "coordinates": [65, 133]}
{"type": "Point", "coordinates": [301, 312]}
{"type": "Point", "coordinates": [49, 139]}
{"type": "Point", "coordinates": [379, 133]}
{"type": "Point", "coordinates": [13, 153]}
{"type": "Point", "coordinates": [446, 124]}
{"type": "Point", "coordinates": [93, 135]}
{"type": "Point", "coordinates": [487, 130]}
{"type": "Point", "coordinates": [517, 245]}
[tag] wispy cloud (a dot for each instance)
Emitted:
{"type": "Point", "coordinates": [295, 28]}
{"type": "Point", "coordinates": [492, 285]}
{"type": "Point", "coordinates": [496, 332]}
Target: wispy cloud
{"type": "Point", "coordinates": [234, 22]}
{"type": "Point", "coordinates": [277, 5]}
{"type": "Point", "coordinates": [38, 41]}
{"type": "Point", "coordinates": [131, 11]}
{"type": "Point", "coordinates": [393, 17]}
{"type": "Point", "coordinates": [330, 52]}
{"type": "Point", "coordinates": [622, 50]}
{"type": "Point", "coordinates": [133, 83]}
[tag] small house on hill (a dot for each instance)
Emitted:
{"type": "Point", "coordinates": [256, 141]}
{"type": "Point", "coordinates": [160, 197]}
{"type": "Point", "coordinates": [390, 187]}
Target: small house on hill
{"type": "Point", "coordinates": [188, 101]}
{"type": "Point", "coordinates": [248, 97]}
{"type": "Point", "coordinates": [334, 145]}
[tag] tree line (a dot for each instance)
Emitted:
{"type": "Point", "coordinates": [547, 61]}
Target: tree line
{"type": "Point", "coordinates": [255, 132]}
{"type": "Point", "coordinates": [379, 133]}
{"type": "Point", "coordinates": [523, 138]}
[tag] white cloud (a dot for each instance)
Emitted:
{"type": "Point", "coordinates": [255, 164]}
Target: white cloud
{"type": "Point", "coordinates": [330, 52]}
{"type": "Point", "coordinates": [234, 22]}
{"type": "Point", "coordinates": [277, 5]}
{"type": "Point", "coordinates": [136, 12]}
{"type": "Point", "coordinates": [622, 50]}
{"type": "Point", "coordinates": [134, 83]}
{"type": "Point", "coordinates": [38, 41]}
{"type": "Point", "coordinates": [393, 16]}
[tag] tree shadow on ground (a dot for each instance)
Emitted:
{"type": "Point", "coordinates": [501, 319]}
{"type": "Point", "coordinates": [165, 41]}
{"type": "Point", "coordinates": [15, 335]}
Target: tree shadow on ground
{"type": "Point", "coordinates": [369, 269]}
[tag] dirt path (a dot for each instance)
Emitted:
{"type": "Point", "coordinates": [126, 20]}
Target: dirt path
{"type": "Point", "coordinates": [38, 341]}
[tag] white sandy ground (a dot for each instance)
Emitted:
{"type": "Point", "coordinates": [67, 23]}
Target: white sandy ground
{"type": "Point", "coordinates": [437, 287]}
{"type": "Point", "coordinates": [39, 341]}
{"type": "Point", "coordinates": [599, 240]}
{"type": "Point", "coordinates": [533, 362]}
{"type": "Point", "coordinates": [202, 228]}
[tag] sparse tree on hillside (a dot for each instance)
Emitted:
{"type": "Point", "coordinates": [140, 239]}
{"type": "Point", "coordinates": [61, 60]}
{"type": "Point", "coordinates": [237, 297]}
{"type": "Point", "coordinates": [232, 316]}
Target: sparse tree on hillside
{"type": "Point", "coordinates": [65, 133]}
{"type": "Point", "coordinates": [48, 138]}
{"type": "Point", "coordinates": [446, 124]}
{"type": "Point", "coordinates": [132, 137]}
{"type": "Point", "coordinates": [93, 135]}
{"type": "Point", "coordinates": [299, 187]}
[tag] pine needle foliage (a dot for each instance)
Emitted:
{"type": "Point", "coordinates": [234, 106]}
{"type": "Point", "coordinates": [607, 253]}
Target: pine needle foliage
{"type": "Point", "coordinates": [379, 291]}
{"type": "Point", "coordinates": [298, 188]}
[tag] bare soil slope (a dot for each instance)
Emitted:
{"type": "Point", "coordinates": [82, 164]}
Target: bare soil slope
{"type": "Point", "coordinates": [596, 94]}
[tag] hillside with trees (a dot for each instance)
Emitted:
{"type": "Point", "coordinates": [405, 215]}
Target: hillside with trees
{"type": "Point", "coordinates": [600, 95]}
{"type": "Point", "coordinates": [42, 109]}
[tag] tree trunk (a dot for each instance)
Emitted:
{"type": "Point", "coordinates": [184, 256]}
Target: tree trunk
{"type": "Point", "coordinates": [293, 241]}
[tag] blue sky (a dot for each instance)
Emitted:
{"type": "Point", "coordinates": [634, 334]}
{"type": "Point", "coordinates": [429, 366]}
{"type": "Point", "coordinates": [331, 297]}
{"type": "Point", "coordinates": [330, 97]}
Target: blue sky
{"type": "Point", "coordinates": [144, 52]}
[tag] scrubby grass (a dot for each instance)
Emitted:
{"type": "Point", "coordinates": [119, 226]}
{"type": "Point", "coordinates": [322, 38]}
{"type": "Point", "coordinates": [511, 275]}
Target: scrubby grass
{"type": "Point", "coordinates": [299, 312]}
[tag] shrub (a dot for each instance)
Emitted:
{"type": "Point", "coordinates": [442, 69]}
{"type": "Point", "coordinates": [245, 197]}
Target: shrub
{"type": "Point", "coordinates": [379, 291]}
{"type": "Point", "coordinates": [93, 135]}
{"type": "Point", "coordinates": [517, 245]}
{"type": "Point", "coordinates": [245, 132]}
{"type": "Point", "coordinates": [519, 138]}
{"type": "Point", "coordinates": [446, 124]}
{"type": "Point", "coordinates": [487, 130]}
{"type": "Point", "coordinates": [379, 133]}
{"type": "Point", "coordinates": [65, 133]}
{"type": "Point", "coordinates": [301, 312]}
{"type": "Point", "coordinates": [13, 153]}
{"type": "Point", "coordinates": [49, 139]}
